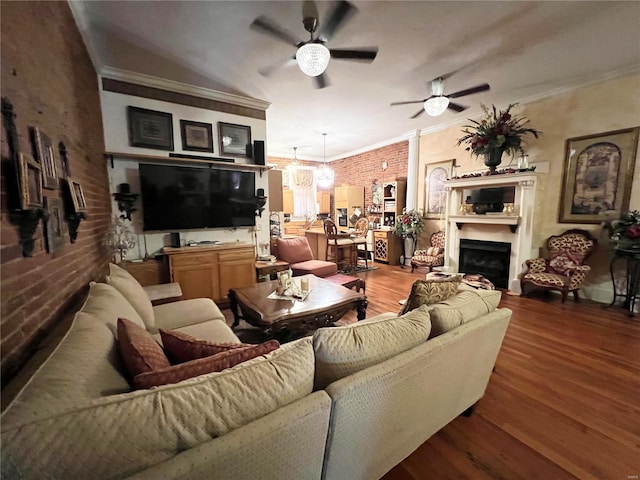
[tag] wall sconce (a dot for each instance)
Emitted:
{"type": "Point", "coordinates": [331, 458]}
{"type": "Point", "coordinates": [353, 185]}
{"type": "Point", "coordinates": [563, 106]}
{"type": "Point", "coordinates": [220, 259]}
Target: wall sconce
{"type": "Point", "coordinates": [261, 201]}
{"type": "Point", "coordinates": [126, 200]}
{"type": "Point", "coordinates": [385, 165]}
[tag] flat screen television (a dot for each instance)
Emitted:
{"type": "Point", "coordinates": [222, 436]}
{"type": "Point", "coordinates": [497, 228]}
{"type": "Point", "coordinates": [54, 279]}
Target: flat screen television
{"type": "Point", "coordinates": [190, 198]}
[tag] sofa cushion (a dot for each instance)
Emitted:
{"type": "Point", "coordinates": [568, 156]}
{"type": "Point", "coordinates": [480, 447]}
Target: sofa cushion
{"type": "Point", "coordinates": [427, 292]}
{"type": "Point", "coordinates": [563, 262]}
{"type": "Point", "coordinates": [341, 351]}
{"type": "Point", "coordinates": [461, 308]}
{"type": "Point", "coordinates": [201, 366]}
{"type": "Point", "coordinates": [86, 364]}
{"type": "Point", "coordinates": [140, 352]}
{"type": "Point", "coordinates": [118, 436]}
{"type": "Point", "coordinates": [319, 268]}
{"type": "Point", "coordinates": [294, 250]}
{"type": "Point", "coordinates": [186, 312]}
{"type": "Point", "coordinates": [180, 347]}
{"type": "Point", "coordinates": [129, 287]}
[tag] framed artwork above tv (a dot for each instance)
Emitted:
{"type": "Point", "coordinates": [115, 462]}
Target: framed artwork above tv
{"type": "Point", "coordinates": [150, 129]}
{"type": "Point", "coordinates": [234, 139]}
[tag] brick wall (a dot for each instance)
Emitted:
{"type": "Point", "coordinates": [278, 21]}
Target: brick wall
{"type": "Point", "coordinates": [48, 77]}
{"type": "Point", "coordinates": [364, 168]}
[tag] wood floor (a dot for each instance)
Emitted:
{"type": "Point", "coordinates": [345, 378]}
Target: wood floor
{"type": "Point", "coordinates": [563, 402]}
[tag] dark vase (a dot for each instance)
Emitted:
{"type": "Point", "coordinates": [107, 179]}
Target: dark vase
{"type": "Point", "coordinates": [493, 159]}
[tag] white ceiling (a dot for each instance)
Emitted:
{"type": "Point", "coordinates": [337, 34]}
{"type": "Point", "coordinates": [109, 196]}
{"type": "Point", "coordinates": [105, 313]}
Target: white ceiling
{"type": "Point", "coordinates": [524, 50]}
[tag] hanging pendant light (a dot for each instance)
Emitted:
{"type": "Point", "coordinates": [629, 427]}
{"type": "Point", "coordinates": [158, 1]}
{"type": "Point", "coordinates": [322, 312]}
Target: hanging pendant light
{"type": "Point", "coordinates": [325, 174]}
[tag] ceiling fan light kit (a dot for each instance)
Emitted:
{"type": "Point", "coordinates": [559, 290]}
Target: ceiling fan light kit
{"type": "Point", "coordinates": [313, 59]}
{"type": "Point", "coordinates": [436, 106]}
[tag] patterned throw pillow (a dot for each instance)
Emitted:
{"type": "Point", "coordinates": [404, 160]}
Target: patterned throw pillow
{"type": "Point", "coordinates": [428, 292]}
{"type": "Point", "coordinates": [201, 366]}
{"type": "Point", "coordinates": [434, 251]}
{"type": "Point", "coordinates": [140, 352]}
{"type": "Point", "coordinates": [180, 347]}
{"type": "Point", "coordinates": [562, 262]}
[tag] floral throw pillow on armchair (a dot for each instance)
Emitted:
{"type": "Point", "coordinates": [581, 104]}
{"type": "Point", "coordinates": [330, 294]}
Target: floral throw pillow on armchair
{"type": "Point", "coordinates": [562, 262]}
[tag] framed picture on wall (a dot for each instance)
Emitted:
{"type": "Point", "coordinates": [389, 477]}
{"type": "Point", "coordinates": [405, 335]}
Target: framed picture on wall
{"type": "Point", "coordinates": [44, 152]}
{"type": "Point", "coordinates": [77, 195]}
{"type": "Point", "coordinates": [435, 196]}
{"type": "Point", "coordinates": [30, 179]}
{"type": "Point", "coordinates": [150, 129]}
{"type": "Point", "coordinates": [598, 172]}
{"type": "Point", "coordinates": [54, 226]}
{"type": "Point", "coordinates": [234, 139]}
{"type": "Point", "coordinates": [196, 136]}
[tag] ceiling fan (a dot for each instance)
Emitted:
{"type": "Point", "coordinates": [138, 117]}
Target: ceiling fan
{"type": "Point", "coordinates": [437, 103]}
{"type": "Point", "coordinates": [313, 56]}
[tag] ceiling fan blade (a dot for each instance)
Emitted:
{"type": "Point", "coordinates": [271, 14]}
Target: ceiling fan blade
{"type": "Point", "coordinates": [456, 107]}
{"type": "Point", "coordinates": [409, 102]}
{"type": "Point", "coordinates": [355, 54]}
{"type": "Point", "coordinates": [264, 25]}
{"type": "Point", "coordinates": [418, 114]}
{"type": "Point", "coordinates": [342, 11]}
{"type": "Point", "coordinates": [469, 91]}
{"type": "Point", "coordinates": [321, 81]}
{"type": "Point", "coordinates": [271, 69]}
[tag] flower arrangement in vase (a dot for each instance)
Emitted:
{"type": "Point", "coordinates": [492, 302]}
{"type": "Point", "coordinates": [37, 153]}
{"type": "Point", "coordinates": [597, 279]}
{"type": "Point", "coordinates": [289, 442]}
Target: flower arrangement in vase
{"type": "Point", "coordinates": [497, 132]}
{"type": "Point", "coordinates": [409, 224]}
{"type": "Point", "coordinates": [624, 233]}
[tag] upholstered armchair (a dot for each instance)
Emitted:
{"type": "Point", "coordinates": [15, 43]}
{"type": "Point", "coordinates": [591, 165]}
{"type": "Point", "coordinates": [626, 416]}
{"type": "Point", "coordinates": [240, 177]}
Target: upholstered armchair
{"type": "Point", "coordinates": [432, 256]}
{"type": "Point", "coordinates": [564, 270]}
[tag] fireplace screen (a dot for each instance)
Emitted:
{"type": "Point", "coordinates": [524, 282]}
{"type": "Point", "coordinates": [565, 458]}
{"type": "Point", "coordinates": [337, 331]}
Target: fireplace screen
{"type": "Point", "coordinates": [490, 259]}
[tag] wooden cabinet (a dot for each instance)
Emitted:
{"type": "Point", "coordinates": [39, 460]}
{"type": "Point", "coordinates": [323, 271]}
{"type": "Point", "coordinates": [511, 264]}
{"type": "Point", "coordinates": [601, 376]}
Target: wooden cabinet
{"type": "Point", "coordinates": [148, 272]}
{"type": "Point", "coordinates": [287, 201]}
{"type": "Point", "coordinates": [210, 271]}
{"type": "Point", "coordinates": [393, 201]}
{"type": "Point", "coordinates": [236, 269]}
{"type": "Point", "coordinates": [276, 203]}
{"type": "Point", "coordinates": [324, 200]}
{"type": "Point", "coordinates": [387, 247]}
{"type": "Point", "coordinates": [346, 198]}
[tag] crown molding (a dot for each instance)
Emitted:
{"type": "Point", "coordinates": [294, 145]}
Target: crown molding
{"type": "Point", "coordinates": [179, 87]}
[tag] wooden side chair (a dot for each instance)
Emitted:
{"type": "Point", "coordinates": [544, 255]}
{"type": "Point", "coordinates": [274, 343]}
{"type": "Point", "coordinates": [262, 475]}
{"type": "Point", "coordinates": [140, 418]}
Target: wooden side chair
{"type": "Point", "coordinates": [340, 247]}
{"type": "Point", "coordinates": [564, 270]}
{"type": "Point", "coordinates": [359, 238]}
{"type": "Point", "coordinates": [432, 256]}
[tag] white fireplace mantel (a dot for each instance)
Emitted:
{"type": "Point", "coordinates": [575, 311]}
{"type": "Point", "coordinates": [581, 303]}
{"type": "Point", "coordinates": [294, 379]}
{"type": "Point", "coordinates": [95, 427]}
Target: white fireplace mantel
{"type": "Point", "coordinates": [515, 228]}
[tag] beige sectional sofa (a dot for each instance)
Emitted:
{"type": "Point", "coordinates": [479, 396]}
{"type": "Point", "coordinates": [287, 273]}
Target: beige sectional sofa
{"type": "Point", "coordinates": [348, 403]}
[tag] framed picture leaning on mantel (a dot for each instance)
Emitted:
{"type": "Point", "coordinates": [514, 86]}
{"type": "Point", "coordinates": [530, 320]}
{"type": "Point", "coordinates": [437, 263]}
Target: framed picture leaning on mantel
{"type": "Point", "coordinates": [150, 129]}
{"type": "Point", "coordinates": [435, 196]}
{"type": "Point", "coordinates": [196, 136]}
{"type": "Point", "coordinates": [234, 139]}
{"type": "Point", "coordinates": [598, 172]}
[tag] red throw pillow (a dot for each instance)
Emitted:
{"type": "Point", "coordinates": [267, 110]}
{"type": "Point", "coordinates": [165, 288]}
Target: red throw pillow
{"type": "Point", "coordinates": [562, 262]}
{"type": "Point", "coordinates": [213, 363]}
{"type": "Point", "coordinates": [140, 351]}
{"type": "Point", "coordinates": [180, 347]}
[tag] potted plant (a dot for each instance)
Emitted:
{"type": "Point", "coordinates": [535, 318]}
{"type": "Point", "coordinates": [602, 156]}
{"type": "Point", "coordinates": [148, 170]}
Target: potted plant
{"type": "Point", "coordinates": [408, 226]}
{"type": "Point", "coordinates": [496, 133]}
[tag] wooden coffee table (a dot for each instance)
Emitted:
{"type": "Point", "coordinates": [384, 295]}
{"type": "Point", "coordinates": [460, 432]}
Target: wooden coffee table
{"type": "Point", "coordinates": [326, 303]}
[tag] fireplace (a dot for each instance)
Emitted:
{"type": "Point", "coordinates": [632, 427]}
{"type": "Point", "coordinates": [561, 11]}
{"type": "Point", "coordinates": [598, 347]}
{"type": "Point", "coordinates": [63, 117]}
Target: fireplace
{"type": "Point", "coordinates": [490, 259]}
{"type": "Point", "coordinates": [513, 227]}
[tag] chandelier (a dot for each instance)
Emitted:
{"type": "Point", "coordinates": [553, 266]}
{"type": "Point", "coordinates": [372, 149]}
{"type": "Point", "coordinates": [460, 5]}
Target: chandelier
{"type": "Point", "coordinates": [325, 173]}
